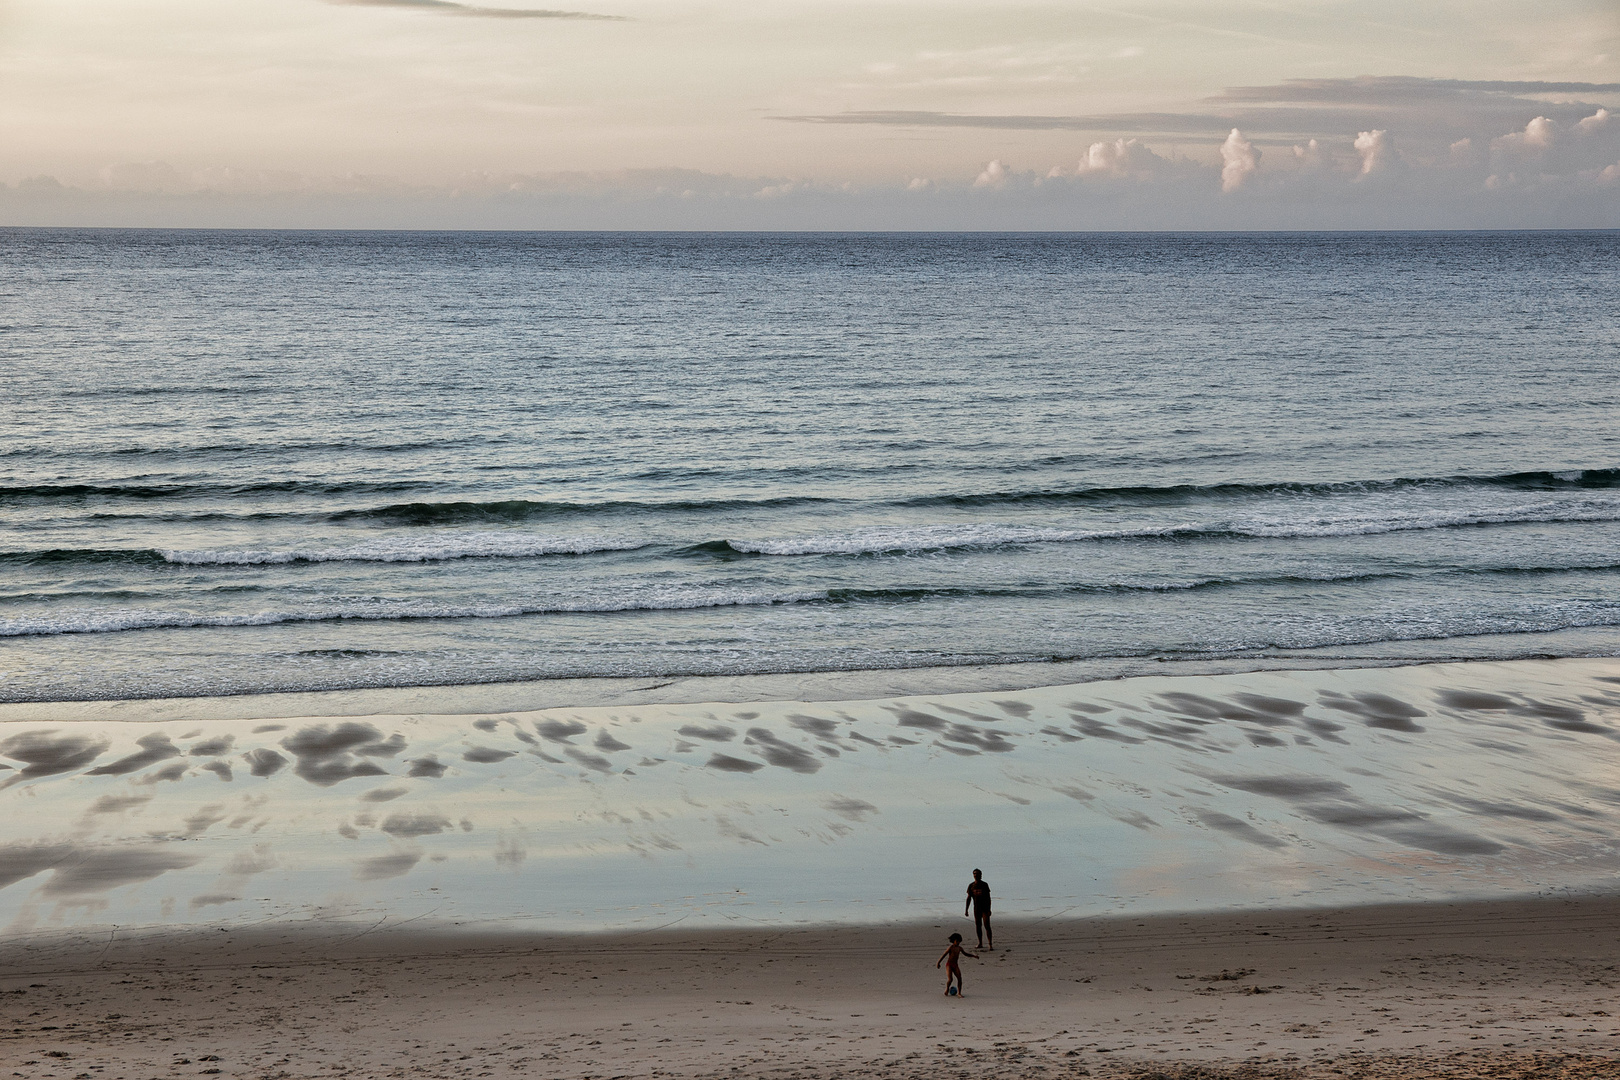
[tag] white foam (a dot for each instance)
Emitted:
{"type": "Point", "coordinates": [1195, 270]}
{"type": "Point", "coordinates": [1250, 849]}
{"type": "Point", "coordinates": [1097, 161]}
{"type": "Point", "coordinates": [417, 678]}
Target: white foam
{"type": "Point", "coordinates": [1549, 512]}
{"type": "Point", "coordinates": [923, 538]}
{"type": "Point", "coordinates": [413, 549]}
{"type": "Point", "coordinates": [103, 621]}
{"type": "Point", "coordinates": [918, 538]}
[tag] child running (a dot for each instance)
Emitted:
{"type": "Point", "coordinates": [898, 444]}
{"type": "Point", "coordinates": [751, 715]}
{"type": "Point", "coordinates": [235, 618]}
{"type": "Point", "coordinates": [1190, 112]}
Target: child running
{"type": "Point", "coordinates": [953, 971]}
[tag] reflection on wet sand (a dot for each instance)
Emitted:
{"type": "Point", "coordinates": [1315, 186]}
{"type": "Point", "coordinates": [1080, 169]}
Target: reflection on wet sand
{"type": "Point", "coordinates": [1272, 788]}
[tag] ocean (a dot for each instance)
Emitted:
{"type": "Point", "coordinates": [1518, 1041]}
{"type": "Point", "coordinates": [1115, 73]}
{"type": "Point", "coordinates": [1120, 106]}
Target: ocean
{"type": "Point", "coordinates": [244, 462]}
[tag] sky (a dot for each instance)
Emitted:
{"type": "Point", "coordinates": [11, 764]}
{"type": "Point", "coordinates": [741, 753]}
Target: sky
{"type": "Point", "coordinates": [812, 114]}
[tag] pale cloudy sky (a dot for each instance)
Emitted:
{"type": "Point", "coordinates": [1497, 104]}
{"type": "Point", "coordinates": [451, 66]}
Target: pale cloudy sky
{"type": "Point", "coordinates": [811, 113]}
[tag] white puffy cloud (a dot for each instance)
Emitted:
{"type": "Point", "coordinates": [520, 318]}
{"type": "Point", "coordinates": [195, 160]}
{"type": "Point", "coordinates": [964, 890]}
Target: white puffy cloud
{"type": "Point", "coordinates": [1311, 158]}
{"type": "Point", "coordinates": [1239, 160]}
{"type": "Point", "coordinates": [1122, 157]}
{"type": "Point", "coordinates": [995, 175]}
{"type": "Point", "coordinates": [1547, 148]}
{"type": "Point", "coordinates": [1539, 134]}
{"type": "Point", "coordinates": [1377, 150]}
{"type": "Point", "coordinates": [1594, 123]}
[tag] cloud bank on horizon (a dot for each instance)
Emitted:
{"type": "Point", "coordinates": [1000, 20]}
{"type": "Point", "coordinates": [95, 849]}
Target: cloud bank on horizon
{"type": "Point", "coordinates": [1150, 114]}
{"type": "Point", "coordinates": [450, 8]}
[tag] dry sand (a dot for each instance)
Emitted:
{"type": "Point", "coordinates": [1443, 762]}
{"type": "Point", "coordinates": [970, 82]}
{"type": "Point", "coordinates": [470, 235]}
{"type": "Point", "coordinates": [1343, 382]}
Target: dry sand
{"type": "Point", "coordinates": [1481, 989]}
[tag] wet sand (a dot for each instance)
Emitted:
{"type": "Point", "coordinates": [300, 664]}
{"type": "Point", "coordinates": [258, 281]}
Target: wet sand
{"type": "Point", "coordinates": [1481, 989]}
{"type": "Point", "coordinates": [1262, 790]}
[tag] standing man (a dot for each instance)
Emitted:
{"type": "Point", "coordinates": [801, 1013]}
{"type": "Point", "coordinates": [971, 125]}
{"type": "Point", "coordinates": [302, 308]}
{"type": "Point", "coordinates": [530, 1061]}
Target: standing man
{"type": "Point", "coordinates": [978, 898]}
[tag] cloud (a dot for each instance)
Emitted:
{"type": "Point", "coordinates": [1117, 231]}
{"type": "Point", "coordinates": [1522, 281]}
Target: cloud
{"type": "Point", "coordinates": [1594, 123]}
{"type": "Point", "coordinates": [1313, 183]}
{"type": "Point", "coordinates": [449, 8]}
{"type": "Point", "coordinates": [1310, 156]}
{"type": "Point", "coordinates": [1399, 89]}
{"type": "Point", "coordinates": [1239, 160]}
{"type": "Point", "coordinates": [1172, 123]}
{"type": "Point", "coordinates": [1547, 147]}
{"type": "Point", "coordinates": [995, 175]}
{"type": "Point", "coordinates": [1440, 111]}
{"type": "Point", "coordinates": [1377, 151]}
{"type": "Point", "coordinates": [1122, 157]}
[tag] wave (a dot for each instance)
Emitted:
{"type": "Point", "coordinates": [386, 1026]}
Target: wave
{"type": "Point", "coordinates": [415, 549]}
{"type": "Point", "coordinates": [1548, 513]}
{"type": "Point", "coordinates": [925, 538]}
{"type": "Point", "coordinates": [920, 593]}
{"type": "Point", "coordinates": [687, 598]}
{"type": "Point", "coordinates": [450, 511]}
{"type": "Point", "coordinates": [904, 539]}
{"type": "Point", "coordinates": [390, 549]}
{"type": "Point", "coordinates": [872, 541]}
{"type": "Point", "coordinates": [138, 491]}
{"type": "Point", "coordinates": [1538, 480]}
{"type": "Point", "coordinates": [447, 513]}
{"type": "Point", "coordinates": [114, 621]}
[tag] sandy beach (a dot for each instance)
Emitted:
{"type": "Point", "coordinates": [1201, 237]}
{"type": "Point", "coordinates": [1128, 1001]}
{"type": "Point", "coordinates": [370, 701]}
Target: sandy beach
{"type": "Point", "coordinates": [1499, 989]}
{"type": "Point", "coordinates": [1395, 872]}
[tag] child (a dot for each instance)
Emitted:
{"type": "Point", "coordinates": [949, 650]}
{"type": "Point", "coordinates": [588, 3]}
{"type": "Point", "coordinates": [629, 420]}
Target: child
{"type": "Point", "coordinates": [952, 970]}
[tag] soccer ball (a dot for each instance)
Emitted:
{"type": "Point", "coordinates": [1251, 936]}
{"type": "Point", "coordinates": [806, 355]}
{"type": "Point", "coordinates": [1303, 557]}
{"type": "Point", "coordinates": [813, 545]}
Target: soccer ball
{"type": "Point", "coordinates": [951, 990]}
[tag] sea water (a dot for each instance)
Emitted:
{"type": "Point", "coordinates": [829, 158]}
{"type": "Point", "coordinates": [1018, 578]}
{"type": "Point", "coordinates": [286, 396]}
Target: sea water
{"type": "Point", "coordinates": [236, 462]}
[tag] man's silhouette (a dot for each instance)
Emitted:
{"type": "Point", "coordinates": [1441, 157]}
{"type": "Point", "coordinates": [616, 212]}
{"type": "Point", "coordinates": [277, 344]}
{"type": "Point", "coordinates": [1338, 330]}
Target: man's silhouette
{"type": "Point", "coordinates": [978, 898]}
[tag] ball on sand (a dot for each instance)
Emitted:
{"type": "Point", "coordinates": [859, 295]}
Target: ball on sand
{"type": "Point", "coordinates": [951, 990]}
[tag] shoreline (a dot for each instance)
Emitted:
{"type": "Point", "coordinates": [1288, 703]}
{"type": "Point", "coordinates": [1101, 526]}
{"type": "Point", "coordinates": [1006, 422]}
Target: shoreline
{"type": "Point", "coordinates": [865, 684]}
{"type": "Point", "coordinates": [1513, 988]}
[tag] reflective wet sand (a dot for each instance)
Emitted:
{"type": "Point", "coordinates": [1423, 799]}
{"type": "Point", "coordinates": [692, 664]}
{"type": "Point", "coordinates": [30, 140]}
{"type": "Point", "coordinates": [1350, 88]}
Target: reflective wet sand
{"type": "Point", "coordinates": [1296, 788]}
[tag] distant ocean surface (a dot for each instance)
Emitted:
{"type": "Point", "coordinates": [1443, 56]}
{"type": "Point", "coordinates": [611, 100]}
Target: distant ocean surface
{"type": "Point", "coordinates": [249, 462]}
